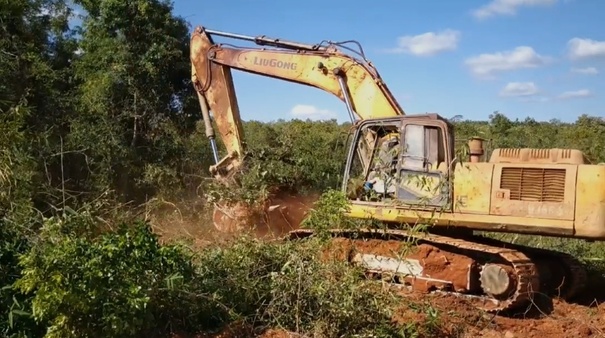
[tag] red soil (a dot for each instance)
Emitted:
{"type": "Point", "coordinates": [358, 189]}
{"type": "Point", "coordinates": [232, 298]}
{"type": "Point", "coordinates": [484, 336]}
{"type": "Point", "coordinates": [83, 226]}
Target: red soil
{"type": "Point", "coordinates": [282, 213]}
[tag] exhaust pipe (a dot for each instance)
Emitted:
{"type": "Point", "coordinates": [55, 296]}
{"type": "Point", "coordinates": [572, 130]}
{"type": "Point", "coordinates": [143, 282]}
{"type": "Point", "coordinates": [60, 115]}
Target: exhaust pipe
{"type": "Point", "coordinates": [475, 145]}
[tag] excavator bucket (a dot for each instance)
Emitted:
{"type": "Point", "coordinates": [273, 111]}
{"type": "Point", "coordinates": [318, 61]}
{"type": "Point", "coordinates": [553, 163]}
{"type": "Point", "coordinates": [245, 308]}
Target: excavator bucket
{"type": "Point", "coordinates": [275, 218]}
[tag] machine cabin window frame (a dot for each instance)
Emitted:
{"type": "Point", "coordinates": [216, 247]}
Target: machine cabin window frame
{"type": "Point", "coordinates": [426, 155]}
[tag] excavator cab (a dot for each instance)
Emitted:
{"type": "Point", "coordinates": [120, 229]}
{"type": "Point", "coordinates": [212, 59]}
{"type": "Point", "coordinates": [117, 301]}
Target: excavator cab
{"type": "Point", "coordinates": [407, 161]}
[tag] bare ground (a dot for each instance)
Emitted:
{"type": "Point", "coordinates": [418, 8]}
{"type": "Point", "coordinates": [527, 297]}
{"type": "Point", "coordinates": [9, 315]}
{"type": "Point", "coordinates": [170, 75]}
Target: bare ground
{"type": "Point", "coordinates": [460, 319]}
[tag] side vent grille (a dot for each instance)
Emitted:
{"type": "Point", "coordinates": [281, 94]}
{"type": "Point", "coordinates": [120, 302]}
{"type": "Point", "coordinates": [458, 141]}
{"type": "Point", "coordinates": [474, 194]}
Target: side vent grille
{"type": "Point", "coordinates": [534, 184]}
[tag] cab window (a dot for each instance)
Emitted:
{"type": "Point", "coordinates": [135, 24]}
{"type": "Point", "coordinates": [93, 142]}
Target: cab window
{"type": "Point", "coordinates": [423, 148]}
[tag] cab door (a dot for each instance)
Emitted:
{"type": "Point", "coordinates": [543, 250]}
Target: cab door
{"type": "Point", "coordinates": [424, 166]}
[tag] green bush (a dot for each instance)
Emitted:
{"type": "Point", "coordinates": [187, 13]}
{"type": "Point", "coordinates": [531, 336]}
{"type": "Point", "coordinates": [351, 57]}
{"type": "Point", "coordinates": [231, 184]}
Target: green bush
{"type": "Point", "coordinates": [295, 156]}
{"type": "Point", "coordinates": [287, 285]}
{"type": "Point", "coordinates": [326, 298]}
{"type": "Point", "coordinates": [120, 283]}
{"type": "Point", "coordinates": [124, 283]}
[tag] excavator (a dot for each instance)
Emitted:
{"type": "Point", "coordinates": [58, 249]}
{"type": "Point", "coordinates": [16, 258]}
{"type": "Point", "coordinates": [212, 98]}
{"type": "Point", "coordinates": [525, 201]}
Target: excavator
{"type": "Point", "coordinates": [403, 170]}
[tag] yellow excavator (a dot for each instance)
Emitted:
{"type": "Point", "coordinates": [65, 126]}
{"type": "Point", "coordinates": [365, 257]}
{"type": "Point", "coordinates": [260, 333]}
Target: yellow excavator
{"type": "Point", "coordinates": [410, 173]}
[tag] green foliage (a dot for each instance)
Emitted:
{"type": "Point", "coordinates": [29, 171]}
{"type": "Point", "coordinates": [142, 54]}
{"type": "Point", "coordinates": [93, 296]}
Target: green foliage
{"type": "Point", "coordinates": [116, 284]}
{"type": "Point", "coordinates": [124, 283]}
{"type": "Point", "coordinates": [329, 213]}
{"type": "Point", "coordinates": [17, 168]}
{"type": "Point", "coordinates": [293, 156]}
{"type": "Point", "coordinates": [291, 285]}
{"type": "Point", "coordinates": [98, 116]}
{"type": "Point", "coordinates": [237, 279]}
{"type": "Point", "coordinates": [326, 298]}
{"type": "Point", "coordinates": [135, 104]}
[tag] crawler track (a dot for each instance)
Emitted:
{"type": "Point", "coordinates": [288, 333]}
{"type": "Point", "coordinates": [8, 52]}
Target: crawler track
{"type": "Point", "coordinates": [519, 265]}
{"type": "Point", "coordinates": [562, 275]}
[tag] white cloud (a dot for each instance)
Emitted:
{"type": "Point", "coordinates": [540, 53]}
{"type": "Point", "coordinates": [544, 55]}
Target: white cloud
{"type": "Point", "coordinates": [585, 48]}
{"type": "Point", "coordinates": [507, 7]}
{"type": "Point", "coordinates": [304, 111]}
{"type": "Point", "coordinates": [427, 44]}
{"type": "Point", "coordinates": [576, 94]}
{"type": "Point", "coordinates": [586, 70]}
{"type": "Point", "coordinates": [519, 89]}
{"type": "Point", "coordinates": [518, 58]}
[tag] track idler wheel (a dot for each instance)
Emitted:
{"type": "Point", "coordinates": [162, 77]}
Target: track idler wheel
{"type": "Point", "coordinates": [497, 280]}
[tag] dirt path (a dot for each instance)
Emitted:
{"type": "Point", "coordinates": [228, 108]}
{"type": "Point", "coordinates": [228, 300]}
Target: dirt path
{"type": "Point", "coordinates": [457, 318]}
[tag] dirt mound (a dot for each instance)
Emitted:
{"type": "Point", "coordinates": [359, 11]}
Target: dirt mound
{"type": "Point", "coordinates": [281, 213]}
{"type": "Point", "coordinates": [196, 223]}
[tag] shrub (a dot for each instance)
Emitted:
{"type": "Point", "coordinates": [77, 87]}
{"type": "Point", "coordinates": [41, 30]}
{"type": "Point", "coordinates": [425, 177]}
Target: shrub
{"type": "Point", "coordinates": [119, 283]}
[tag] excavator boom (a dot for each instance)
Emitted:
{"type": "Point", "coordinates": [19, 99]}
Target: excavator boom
{"type": "Point", "coordinates": [355, 81]}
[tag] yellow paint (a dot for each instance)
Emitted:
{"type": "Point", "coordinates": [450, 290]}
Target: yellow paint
{"type": "Point", "coordinates": [472, 188]}
{"type": "Point", "coordinates": [590, 201]}
{"type": "Point", "coordinates": [406, 216]}
{"type": "Point", "coordinates": [581, 214]}
{"type": "Point", "coordinates": [211, 66]}
{"type": "Point", "coordinates": [503, 206]}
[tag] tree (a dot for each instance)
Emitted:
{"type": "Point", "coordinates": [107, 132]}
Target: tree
{"type": "Point", "coordinates": [135, 98]}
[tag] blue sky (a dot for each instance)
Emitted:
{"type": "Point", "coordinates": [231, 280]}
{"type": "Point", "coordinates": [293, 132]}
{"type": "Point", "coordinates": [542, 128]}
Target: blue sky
{"type": "Point", "coordinates": [538, 58]}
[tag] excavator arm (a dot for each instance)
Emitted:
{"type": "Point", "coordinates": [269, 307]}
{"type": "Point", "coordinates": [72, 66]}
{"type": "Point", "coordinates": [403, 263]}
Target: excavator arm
{"type": "Point", "coordinates": [354, 81]}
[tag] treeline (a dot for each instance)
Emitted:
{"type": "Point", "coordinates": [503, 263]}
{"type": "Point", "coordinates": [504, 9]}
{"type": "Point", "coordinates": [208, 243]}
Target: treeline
{"type": "Point", "coordinates": [102, 116]}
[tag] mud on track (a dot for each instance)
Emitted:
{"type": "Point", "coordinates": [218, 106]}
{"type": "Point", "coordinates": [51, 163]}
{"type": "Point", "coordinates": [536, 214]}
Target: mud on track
{"type": "Point", "coordinates": [437, 264]}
